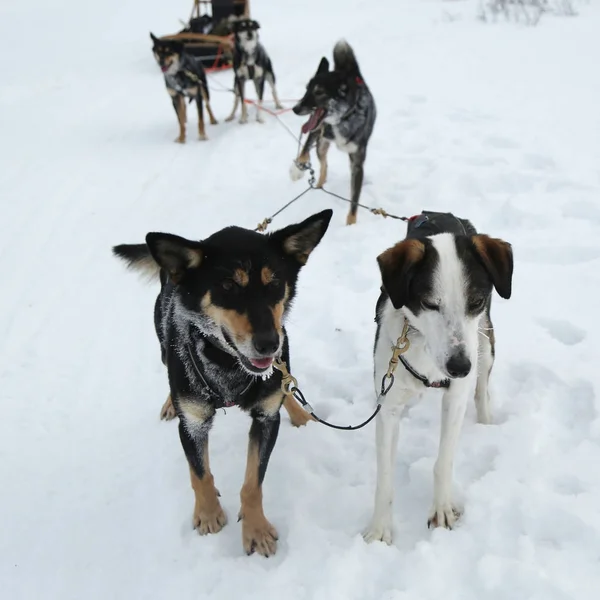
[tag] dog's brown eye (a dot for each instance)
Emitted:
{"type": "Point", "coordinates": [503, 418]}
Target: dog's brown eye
{"type": "Point", "coordinates": [476, 305]}
{"type": "Point", "coordinates": [429, 305]}
{"type": "Point", "coordinates": [227, 285]}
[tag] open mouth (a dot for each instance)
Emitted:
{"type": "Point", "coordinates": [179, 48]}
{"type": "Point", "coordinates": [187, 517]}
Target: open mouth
{"type": "Point", "coordinates": [164, 68]}
{"type": "Point", "coordinates": [258, 366]}
{"type": "Point", "coordinates": [314, 120]}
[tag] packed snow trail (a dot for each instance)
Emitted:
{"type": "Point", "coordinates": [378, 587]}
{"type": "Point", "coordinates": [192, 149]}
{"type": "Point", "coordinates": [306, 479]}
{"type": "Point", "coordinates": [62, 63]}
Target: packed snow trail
{"type": "Point", "coordinates": [497, 123]}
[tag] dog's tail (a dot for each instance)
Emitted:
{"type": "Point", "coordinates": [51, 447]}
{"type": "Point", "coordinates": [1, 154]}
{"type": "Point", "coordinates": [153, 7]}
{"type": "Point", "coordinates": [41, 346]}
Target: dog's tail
{"type": "Point", "coordinates": [344, 59]}
{"type": "Point", "coordinates": [138, 258]}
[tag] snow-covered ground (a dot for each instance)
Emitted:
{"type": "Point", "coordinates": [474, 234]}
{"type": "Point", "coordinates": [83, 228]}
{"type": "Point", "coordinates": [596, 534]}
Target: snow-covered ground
{"type": "Point", "coordinates": [497, 123]}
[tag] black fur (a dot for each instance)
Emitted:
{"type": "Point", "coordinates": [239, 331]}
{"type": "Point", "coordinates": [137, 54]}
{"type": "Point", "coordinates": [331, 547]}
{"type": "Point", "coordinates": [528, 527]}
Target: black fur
{"type": "Point", "coordinates": [250, 63]}
{"type": "Point", "coordinates": [218, 303]}
{"type": "Point", "coordinates": [343, 111]}
{"type": "Point", "coordinates": [185, 78]}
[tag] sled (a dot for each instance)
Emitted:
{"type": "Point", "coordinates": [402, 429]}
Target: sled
{"type": "Point", "coordinates": [207, 35]}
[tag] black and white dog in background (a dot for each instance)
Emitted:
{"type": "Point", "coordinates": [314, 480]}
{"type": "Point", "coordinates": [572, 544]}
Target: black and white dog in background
{"type": "Point", "coordinates": [250, 62]}
{"type": "Point", "coordinates": [342, 110]}
{"type": "Point", "coordinates": [438, 281]}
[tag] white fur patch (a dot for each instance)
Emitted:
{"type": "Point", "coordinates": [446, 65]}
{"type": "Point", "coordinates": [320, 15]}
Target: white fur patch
{"type": "Point", "coordinates": [295, 172]}
{"type": "Point", "coordinates": [448, 329]}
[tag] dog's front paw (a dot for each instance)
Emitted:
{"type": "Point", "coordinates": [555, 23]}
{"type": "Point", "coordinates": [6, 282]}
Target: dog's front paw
{"type": "Point", "coordinates": [209, 520]}
{"type": "Point", "coordinates": [259, 118]}
{"type": "Point", "coordinates": [180, 139]}
{"type": "Point", "coordinates": [243, 120]}
{"type": "Point", "coordinates": [167, 412]}
{"type": "Point", "coordinates": [258, 535]}
{"type": "Point", "coordinates": [202, 137]}
{"type": "Point", "coordinates": [296, 173]}
{"type": "Point", "coordinates": [213, 121]}
{"type": "Point", "coordinates": [229, 118]}
{"type": "Point", "coordinates": [279, 106]}
{"type": "Point", "coordinates": [378, 531]}
{"type": "Point", "coordinates": [298, 416]}
{"type": "Point", "coordinates": [443, 515]}
{"type": "Point", "coordinates": [350, 219]}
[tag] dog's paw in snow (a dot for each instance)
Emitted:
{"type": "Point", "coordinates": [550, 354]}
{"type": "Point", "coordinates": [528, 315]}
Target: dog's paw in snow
{"type": "Point", "coordinates": [258, 535]}
{"type": "Point", "coordinates": [209, 519]}
{"type": "Point", "coordinates": [379, 531]}
{"type": "Point", "coordinates": [443, 515]}
{"type": "Point", "coordinates": [296, 173]}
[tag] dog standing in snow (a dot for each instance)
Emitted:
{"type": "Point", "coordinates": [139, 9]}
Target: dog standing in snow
{"type": "Point", "coordinates": [220, 320]}
{"type": "Point", "coordinates": [250, 61]}
{"type": "Point", "coordinates": [436, 296]}
{"type": "Point", "coordinates": [185, 79]}
{"type": "Point", "coordinates": [342, 110]}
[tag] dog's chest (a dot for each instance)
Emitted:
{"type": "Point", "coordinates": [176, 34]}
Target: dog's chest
{"type": "Point", "coordinates": [179, 85]}
{"type": "Point", "coordinates": [335, 135]}
{"type": "Point", "coordinates": [250, 70]}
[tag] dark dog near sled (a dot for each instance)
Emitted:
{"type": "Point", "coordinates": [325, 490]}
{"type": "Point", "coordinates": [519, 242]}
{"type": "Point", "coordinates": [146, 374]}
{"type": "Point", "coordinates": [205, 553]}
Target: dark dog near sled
{"type": "Point", "coordinates": [220, 318]}
{"type": "Point", "coordinates": [185, 78]}
{"type": "Point", "coordinates": [342, 110]}
{"type": "Point", "coordinates": [250, 62]}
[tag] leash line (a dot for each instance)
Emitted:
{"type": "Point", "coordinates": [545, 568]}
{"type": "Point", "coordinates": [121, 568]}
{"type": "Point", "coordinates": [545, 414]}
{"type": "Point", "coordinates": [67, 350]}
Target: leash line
{"type": "Point", "coordinates": [289, 384]}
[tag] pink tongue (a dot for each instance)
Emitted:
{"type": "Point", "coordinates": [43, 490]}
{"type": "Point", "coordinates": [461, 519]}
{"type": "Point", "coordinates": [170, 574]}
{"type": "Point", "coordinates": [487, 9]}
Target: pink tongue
{"type": "Point", "coordinates": [261, 363]}
{"type": "Point", "coordinates": [313, 121]}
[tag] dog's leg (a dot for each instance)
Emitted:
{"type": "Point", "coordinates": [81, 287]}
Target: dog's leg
{"type": "Point", "coordinates": [322, 148]}
{"type": "Point", "coordinates": [304, 156]}
{"type": "Point", "coordinates": [454, 403]}
{"type": "Point", "coordinates": [259, 85]}
{"type": "Point", "coordinates": [257, 533]}
{"type": "Point", "coordinates": [271, 79]}
{"type": "Point", "coordinates": [194, 424]}
{"type": "Point", "coordinates": [179, 106]}
{"type": "Point", "coordinates": [206, 97]}
{"type": "Point", "coordinates": [236, 101]}
{"type": "Point", "coordinates": [200, 103]}
{"type": "Point", "coordinates": [357, 160]}
{"type": "Point", "coordinates": [167, 412]}
{"type": "Point", "coordinates": [298, 416]}
{"type": "Point", "coordinates": [386, 431]}
{"type": "Point", "coordinates": [486, 361]}
{"type": "Point", "coordinates": [241, 90]}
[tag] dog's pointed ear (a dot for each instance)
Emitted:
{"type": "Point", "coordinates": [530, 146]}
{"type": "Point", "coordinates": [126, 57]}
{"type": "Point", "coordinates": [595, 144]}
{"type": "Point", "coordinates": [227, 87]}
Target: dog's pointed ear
{"type": "Point", "coordinates": [153, 37]}
{"type": "Point", "coordinates": [255, 25]}
{"type": "Point", "coordinates": [174, 254]}
{"type": "Point", "coordinates": [497, 257]}
{"type": "Point", "coordinates": [397, 265]}
{"type": "Point", "coordinates": [299, 240]}
{"type": "Point", "coordinates": [323, 66]}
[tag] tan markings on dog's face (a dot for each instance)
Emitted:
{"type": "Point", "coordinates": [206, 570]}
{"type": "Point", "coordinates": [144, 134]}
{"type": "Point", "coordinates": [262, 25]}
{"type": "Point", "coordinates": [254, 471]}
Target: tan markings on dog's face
{"type": "Point", "coordinates": [237, 324]}
{"type": "Point", "coordinates": [279, 309]}
{"type": "Point", "coordinates": [266, 275]}
{"type": "Point", "coordinates": [241, 277]}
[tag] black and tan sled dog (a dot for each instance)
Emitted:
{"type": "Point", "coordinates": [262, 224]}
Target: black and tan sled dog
{"type": "Point", "coordinates": [185, 78]}
{"type": "Point", "coordinates": [220, 318]}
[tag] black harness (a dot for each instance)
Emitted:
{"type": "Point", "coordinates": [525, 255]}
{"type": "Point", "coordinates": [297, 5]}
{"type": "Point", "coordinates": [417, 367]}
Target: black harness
{"type": "Point", "coordinates": [219, 401]}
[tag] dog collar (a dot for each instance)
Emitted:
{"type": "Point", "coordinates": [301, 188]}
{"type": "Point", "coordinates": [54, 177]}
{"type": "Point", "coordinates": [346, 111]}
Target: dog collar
{"type": "Point", "coordinates": [444, 383]}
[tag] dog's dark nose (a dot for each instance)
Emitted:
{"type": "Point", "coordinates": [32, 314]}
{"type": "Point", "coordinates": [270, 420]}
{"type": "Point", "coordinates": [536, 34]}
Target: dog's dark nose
{"type": "Point", "coordinates": [458, 366]}
{"type": "Point", "coordinates": [296, 109]}
{"type": "Point", "coordinates": [266, 343]}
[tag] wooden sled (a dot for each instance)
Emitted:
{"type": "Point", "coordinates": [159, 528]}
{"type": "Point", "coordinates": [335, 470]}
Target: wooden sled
{"type": "Point", "coordinates": [207, 34]}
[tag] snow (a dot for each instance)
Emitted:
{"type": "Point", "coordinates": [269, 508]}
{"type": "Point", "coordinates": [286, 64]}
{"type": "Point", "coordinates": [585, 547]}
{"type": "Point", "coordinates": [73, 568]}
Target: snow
{"type": "Point", "coordinates": [495, 122]}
